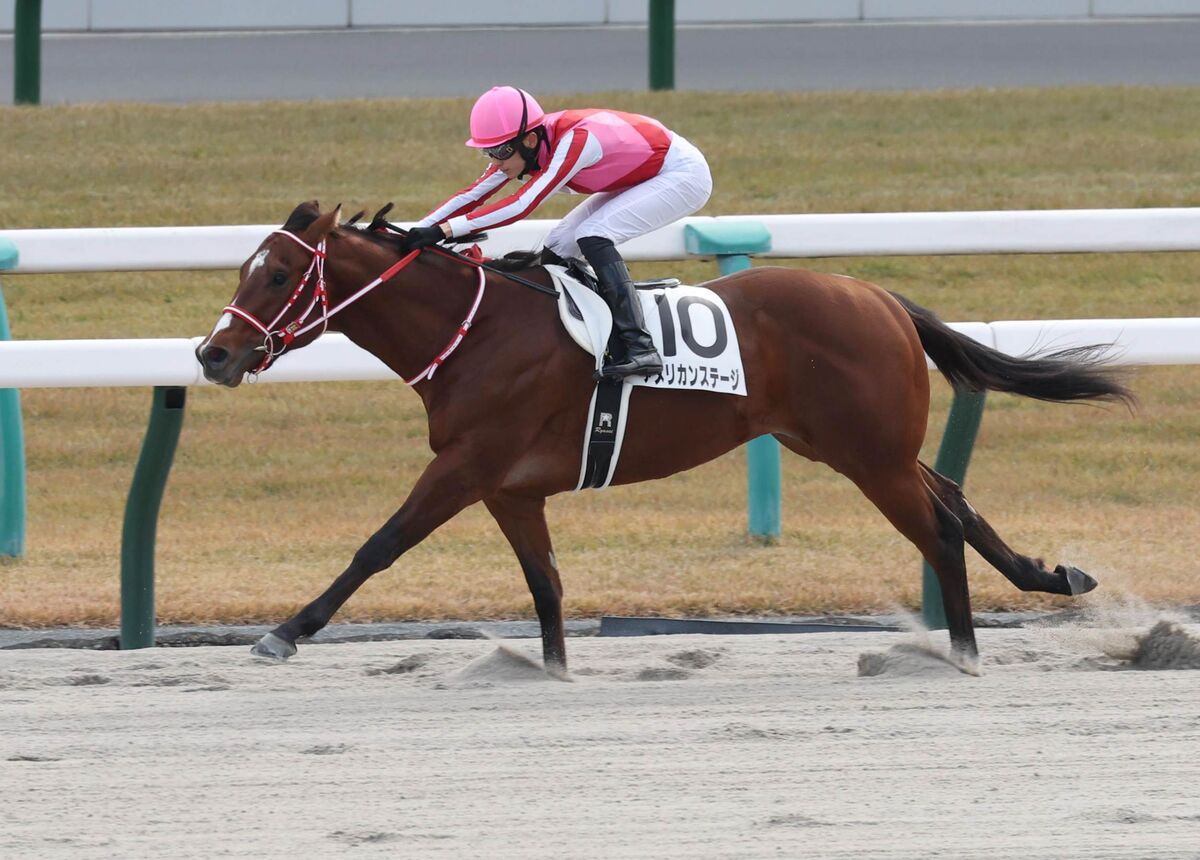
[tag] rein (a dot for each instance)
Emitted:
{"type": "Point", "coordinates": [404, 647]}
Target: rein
{"type": "Point", "coordinates": [471, 261]}
{"type": "Point", "coordinates": [550, 291]}
{"type": "Point", "coordinates": [297, 327]}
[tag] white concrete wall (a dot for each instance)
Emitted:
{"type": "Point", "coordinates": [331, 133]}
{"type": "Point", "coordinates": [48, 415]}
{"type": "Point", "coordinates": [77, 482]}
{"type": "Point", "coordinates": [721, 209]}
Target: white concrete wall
{"type": "Point", "coordinates": [1143, 8]}
{"type": "Point", "coordinates": [388, 13]}
{"type": "Point", "coordinates": [56, 14]}
{"type": "Point", "coordinates": [724, 11]}
{"type": "Point", "coordinates": [223, 14]}
{"type": "Point", "coordinates": [974, 9]}
{"type": "Point", "coordinates": [111, 15]}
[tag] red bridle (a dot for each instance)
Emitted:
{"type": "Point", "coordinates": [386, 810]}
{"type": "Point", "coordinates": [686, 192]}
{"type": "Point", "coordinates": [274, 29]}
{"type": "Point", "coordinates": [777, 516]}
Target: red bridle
{"type": "Point", "coordinates": [297, 327]}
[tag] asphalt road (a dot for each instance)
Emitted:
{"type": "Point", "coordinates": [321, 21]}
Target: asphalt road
{"type": "Point", "coordinates": [424, 63]}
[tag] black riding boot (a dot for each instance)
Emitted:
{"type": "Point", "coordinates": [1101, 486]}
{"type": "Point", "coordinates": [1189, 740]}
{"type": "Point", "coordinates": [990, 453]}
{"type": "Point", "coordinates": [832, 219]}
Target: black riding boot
{"type": "Point", "coordinates": [616, 287]}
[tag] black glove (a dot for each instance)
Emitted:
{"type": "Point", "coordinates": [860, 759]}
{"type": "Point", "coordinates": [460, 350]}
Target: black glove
{"type": "Point", "coordinates": [419, 237]}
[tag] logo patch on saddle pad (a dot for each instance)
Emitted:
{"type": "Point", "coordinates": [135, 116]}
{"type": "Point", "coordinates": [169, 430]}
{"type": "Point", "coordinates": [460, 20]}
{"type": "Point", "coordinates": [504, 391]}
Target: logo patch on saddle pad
{"type": "Point", "coordinates": [690, 326]}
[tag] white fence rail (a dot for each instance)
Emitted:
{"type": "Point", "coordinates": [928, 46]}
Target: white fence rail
{"type": "Point", "coordinates": [873, 234]}
{"type": "Point", "coordinates": [171, 361]}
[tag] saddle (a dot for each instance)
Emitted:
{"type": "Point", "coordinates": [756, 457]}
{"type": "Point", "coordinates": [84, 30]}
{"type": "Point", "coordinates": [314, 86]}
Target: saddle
{"type": "Point", "coordinates": [588, 320]}
{"type": "Point", "coordinates": [584, 313]}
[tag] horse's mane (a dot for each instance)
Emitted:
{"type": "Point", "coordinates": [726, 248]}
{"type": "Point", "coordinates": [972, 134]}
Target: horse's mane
{"type": "Point", "coordinates": [516, 261]}
{"type": "Point", "coordinates": [383, 233]}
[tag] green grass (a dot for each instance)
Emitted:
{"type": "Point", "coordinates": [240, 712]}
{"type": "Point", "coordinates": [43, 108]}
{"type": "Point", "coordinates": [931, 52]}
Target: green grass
{"type": "Point", "coordinates": [274, 487]}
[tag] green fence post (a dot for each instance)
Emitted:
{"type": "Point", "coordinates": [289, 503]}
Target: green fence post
{"type": "Point", "coordinates": [954, 453]}
{"type": "Point", "coordinates": [141, 517]}
{"type": "Point", "coordinates": [732, 243]}
{"type": "Point", "coordinates": [662, 44]}
{"type": "Point", "coordinates": [12, 438]}
{"type": "Point", "coordinates": [27, 52]}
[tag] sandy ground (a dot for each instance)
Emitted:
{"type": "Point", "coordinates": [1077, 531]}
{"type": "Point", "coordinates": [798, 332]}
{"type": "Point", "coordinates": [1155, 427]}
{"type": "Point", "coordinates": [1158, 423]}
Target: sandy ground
{"type": "Point", "coordinates": [671, 746]}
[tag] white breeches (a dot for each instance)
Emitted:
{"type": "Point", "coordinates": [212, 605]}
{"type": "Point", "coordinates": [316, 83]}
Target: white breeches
{"type": "Point", "coordinates": [680, 188]}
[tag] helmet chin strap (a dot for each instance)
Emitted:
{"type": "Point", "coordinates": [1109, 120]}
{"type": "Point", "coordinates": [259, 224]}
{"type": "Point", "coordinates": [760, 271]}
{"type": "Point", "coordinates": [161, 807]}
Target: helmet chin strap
{"type": "Point", "coordinates": [530, 154]}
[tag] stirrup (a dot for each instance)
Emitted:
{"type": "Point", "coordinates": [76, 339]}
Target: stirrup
{"type": "Point", "coordinates": [643, 364]}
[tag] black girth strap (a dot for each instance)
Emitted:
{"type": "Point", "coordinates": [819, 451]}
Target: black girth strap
{"type": "Point", "coordinates": [605, 429]}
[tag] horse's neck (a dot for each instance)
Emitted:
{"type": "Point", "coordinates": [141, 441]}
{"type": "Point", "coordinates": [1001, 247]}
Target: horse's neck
{"type": "Point", "coordinates": [406, 321]}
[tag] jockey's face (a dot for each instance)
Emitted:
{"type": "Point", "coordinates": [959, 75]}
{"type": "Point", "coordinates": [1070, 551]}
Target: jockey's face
{"type": "Point", "coordinates": [514, 165]}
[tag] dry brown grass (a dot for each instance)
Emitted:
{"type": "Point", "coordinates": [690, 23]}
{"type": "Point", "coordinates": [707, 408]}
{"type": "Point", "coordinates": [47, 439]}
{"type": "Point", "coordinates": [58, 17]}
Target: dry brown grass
{"type": "Point", "coordinates": [274, 487]}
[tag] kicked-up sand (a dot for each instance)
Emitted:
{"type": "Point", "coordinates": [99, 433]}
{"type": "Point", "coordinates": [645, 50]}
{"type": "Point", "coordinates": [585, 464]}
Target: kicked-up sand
{"type": "Point", "coordinates": [815, 745]}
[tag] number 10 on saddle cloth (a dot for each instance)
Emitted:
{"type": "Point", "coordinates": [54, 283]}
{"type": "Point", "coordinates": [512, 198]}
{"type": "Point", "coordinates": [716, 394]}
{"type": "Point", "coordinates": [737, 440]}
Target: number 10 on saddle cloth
{"type": "Point", "coordinates": [696, 338]}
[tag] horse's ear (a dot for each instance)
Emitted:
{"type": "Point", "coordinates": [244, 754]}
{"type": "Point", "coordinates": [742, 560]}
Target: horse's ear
{"type": "Point", "coordinates": [323, 226]}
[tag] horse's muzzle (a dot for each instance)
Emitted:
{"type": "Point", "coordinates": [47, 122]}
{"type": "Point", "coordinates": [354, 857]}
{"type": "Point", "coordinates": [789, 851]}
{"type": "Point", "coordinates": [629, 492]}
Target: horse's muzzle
{"type": "Point", "coordinates": [219, 366]}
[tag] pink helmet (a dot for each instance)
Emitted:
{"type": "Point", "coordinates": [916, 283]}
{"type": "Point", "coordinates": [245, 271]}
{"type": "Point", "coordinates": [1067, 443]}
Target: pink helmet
{"type": "Point", "coordinates": [501, 114]}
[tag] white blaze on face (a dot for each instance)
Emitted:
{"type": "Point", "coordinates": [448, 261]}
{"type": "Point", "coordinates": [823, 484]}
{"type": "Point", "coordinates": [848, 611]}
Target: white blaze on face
{"type": "Point", "coordinates": [223, 323]}
{"type": "Point", "coordinates": [259, 260]}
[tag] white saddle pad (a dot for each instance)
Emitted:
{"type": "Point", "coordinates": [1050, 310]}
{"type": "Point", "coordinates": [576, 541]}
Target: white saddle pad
{"type": "Point", "coordinates": [690, 326]}
{"type": "Point", "coordinates": [590, 329]}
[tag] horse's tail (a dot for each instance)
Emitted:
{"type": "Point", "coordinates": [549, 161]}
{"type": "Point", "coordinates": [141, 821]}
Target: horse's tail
{"type": "Point", "coordinates": [1078, 373]}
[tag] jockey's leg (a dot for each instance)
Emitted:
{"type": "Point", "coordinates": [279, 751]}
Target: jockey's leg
{"type": "Point", "coordinates": [681, 187]}
{"type": "Point", "coordinates": [561, 240]}
{"type": "Point", "coordinates": [617, 289]}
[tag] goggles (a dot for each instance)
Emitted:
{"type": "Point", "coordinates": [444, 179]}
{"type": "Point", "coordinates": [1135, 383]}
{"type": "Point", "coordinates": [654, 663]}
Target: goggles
{"type": "Point", "coordinates": [503, 152]}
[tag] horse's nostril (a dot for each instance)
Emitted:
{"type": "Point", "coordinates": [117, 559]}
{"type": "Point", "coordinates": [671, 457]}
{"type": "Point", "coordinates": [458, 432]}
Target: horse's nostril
{"type": "Point", "coordinates": [214, 357]}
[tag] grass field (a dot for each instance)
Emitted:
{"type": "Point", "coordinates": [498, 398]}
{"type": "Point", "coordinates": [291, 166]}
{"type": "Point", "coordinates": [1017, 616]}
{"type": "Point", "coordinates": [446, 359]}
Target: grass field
{"type": "Point", "coordinates": [274, 487]}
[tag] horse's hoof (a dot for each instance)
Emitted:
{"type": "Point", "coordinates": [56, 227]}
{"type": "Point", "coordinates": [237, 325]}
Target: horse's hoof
{"type": "Point", "coordinates": [273, 648]}
{"type": "Point", "coordinates": [1078, 581]}
{"type": "Point", "coordinates": [967, 663]}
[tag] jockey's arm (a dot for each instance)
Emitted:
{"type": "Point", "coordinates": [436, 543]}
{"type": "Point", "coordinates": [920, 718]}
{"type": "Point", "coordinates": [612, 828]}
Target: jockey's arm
{"type": "Point", "coordinates": [574, 152]}
{"type": "Point", "coordinates": [469, 198]}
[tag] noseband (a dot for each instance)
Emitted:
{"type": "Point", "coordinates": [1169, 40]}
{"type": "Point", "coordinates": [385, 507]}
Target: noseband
{"type": "Point", "coordinates": [297, 327]}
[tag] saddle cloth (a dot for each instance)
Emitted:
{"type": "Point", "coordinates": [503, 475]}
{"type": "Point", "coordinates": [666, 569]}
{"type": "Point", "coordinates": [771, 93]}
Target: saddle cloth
{"type": "Point", "coordinates": [691, 327]}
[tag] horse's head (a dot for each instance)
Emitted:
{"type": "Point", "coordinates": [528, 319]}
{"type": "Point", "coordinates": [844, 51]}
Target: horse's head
{"type": "Point", "coordinates": [280, 301]}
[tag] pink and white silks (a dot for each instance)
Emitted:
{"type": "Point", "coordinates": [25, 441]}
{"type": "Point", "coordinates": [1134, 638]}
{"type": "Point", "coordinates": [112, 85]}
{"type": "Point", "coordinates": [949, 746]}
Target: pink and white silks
{"type": "Point", "coordinates": [641, 175]}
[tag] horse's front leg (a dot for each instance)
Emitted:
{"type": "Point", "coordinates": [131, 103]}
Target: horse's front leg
{"type": "Point", "coordinates": [523, 521]}
{"type": "Point", "coordinates": [444, 489]}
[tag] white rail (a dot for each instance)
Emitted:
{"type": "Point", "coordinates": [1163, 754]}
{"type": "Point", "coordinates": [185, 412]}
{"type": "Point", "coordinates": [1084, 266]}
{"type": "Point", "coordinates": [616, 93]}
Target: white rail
{"type": "Point", "coordinates": [881, 234]}
{"type": "Point", "coordinates": [171, 361]}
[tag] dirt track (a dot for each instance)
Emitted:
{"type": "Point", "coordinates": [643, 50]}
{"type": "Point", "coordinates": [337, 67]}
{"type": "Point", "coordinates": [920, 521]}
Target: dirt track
{"type": "Point", "coordinates": [696, 746]}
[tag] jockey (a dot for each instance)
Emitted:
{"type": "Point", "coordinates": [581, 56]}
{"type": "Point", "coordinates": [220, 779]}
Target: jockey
{"type": "Point", "coordinates": [640, 175]}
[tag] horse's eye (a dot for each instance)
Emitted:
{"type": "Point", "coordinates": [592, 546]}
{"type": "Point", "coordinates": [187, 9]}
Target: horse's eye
{"type": "Point", "coordinates": [279, 279]}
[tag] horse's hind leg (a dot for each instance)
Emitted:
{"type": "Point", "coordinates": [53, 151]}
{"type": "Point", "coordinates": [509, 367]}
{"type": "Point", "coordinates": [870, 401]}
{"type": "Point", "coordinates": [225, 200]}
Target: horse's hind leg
{"type": "Point", "coordinates": [1027, 574]}
{"type": "Point", "coordinates": [523, 521]}
{"type": "Point", "coordinates": [922, 517]}
{"type": "Point", "coordinates": [917, 513]}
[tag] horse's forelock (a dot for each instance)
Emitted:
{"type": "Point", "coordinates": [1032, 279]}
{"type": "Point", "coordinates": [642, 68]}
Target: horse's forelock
{"type": "Point", "coordinates": [302, 217]}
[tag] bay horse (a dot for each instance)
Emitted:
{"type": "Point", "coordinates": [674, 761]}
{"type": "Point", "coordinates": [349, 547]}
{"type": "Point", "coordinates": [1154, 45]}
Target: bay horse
{"type": "Point", "coordinates": [834, 367]}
